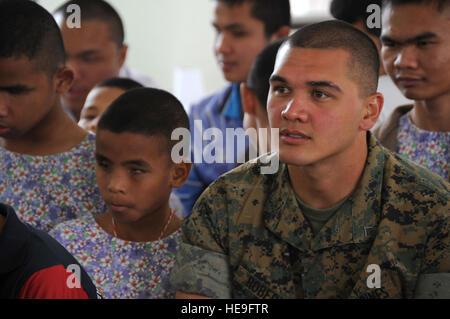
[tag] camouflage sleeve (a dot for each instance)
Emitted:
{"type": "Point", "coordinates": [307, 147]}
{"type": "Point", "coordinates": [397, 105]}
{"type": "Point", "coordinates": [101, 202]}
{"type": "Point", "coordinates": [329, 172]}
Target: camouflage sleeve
{"type": "Point", "coordinates": [434, 281]}
{"type": "Point", "coordinates": [433, 286]}
{"type": "Point", "coordinates": [202, 266]}
{"type": "Point", "coordinates": [437, 248]}
{"type": "Point", "coordinates": [201, 272]}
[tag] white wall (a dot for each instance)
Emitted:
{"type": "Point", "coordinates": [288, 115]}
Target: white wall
{"type": "Point", "coordinates": [164, 35]}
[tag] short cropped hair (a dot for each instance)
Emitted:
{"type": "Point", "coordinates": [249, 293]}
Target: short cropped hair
{"type": "Point", "coordinates": [273, 14]}
{"type": "Point", "coordinates": [261, 70]}
{"type": "Point", "coordinates": [125, 84]}
{"type": "Point", "coordinates": [146, 111]}
{"type": "Point", "coordinates": [440, 5]}
{"type": "Point", "coordinates": [364, 61]}
{"type": "Point", "coordinates": [97, 10]}
{"type": "Point", "coordinates": [28, 30]}
{"type": "Point", "coordinates": [352, 11]}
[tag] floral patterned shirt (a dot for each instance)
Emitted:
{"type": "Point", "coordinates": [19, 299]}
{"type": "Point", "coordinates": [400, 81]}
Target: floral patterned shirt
{"type": "Point", "coordinates": [48, 190]}
{"type": "Point", "coordinates": [426, 148]}
{"type": "Point", "coordinates": [120, 269]}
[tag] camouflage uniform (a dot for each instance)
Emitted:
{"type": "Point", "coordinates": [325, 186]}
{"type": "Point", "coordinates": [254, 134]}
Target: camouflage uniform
{"type": "Point", "coordinates": [247, 238]}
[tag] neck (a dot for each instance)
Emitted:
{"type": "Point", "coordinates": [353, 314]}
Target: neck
{"type": "Point", "coordinates": [146, 229]}
{"type": "Point", "coordinates": [432, 115]}
{"type": "Point", "coordinates": [55, 133]}
{"type": "Point", "coordinates": [325, 184]}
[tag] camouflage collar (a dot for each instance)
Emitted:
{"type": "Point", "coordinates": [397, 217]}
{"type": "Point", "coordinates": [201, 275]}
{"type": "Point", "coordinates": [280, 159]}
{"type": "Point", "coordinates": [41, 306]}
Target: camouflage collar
{"type": "Point", "coordinates": [355, 222]}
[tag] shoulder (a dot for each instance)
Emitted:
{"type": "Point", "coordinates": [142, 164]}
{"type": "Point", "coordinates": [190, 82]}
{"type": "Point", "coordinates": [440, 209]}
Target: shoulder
{"type": "Point", "coordinates": [415, 188]}
{"type": "Point", "coordinates": [215, 99]}
{"type": "Point", "coordinates": [74, 229]}
{"type": "Point", "coordinates": [386, 130]}
{"type": "Point", "coordinates": [49, 264]}
{"type": "Point", "coordinates": [245, 176]}
{"type": "Point", "coordinates": [56, 282]}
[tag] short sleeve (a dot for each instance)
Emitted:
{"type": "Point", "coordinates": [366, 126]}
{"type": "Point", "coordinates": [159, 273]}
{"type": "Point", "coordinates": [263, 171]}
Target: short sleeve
{"type": "Point", "coordinates": [202, 272]}
{"type": "Point", "coordinates": [202, 264]}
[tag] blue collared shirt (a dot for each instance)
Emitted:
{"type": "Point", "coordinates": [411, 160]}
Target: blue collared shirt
{"type": "Point", "coordinates": [221, 110]}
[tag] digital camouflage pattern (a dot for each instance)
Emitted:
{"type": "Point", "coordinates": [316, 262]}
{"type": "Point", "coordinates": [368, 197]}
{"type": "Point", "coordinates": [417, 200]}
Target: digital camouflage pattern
{"type": "Point", "coordinates": [397, 218]}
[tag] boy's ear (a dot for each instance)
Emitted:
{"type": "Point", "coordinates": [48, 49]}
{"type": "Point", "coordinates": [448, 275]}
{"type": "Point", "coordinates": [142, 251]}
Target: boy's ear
{"type": "Point", "coordinates": [282, 32]}
{"type": "Point", "coordinates": [63, 78]}
{"type": "Point", "coordinates": [372, 109]}
{"type": "Point", "coordinates": [123, 54]}
{"type": "Point", "coordinates": [248, 100]}
{"type": "Point", "coordinates": [179, 173]}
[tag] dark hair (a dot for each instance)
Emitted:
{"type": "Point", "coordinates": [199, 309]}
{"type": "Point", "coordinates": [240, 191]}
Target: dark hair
{"type": "Point", "coordinates": [261, 70]}
{"type": "Point", "coordinates": [146, 111]}
{"type": "Point", "coordinates": [28, 30]}
{"type": "Point", "coordinates": [97, 10]}
{"type": "Point", "coordinates": [352, 11]}
{"type": "Point", "coordinates": [121, 83]}
{"type": "Point", "coordinates": [440, 5]}
{"type": "Point", "coordinates": [364, 62]}
{"type": "Point", "coordinates": [273, 14]}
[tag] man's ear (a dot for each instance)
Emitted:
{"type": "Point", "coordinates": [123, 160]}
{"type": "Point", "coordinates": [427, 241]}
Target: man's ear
{"type": "Point", "coordinates": [372, 109]}
{"type": "Point", "coordinates": [282, 32]}
{"type": "Point", "coordinates": [179, 173]}
{"type": "Point", "coordinates": [123, 54]}
{"type": "Point", "coordinates": [248, 100]}
{"type": "Point", "coordinates": [63, 79]}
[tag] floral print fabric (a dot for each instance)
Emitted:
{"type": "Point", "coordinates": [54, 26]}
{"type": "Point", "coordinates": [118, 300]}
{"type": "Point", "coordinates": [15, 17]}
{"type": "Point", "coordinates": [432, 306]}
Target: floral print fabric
{"type": "Point", "coordinates": [48, 190]}
{"type": "Point", "coordinates": [121, 269]}
{"type": "Point", "coordinates": [429, 149]}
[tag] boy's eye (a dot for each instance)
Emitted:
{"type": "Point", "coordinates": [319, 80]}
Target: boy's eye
{"type": "Point", "coordinates": [320, 94]}
{"type": "Point", "coordinates": [17, 90]}
{"type": "Point", "coordinates": [137, 171]}
{"type": "Point", "coordinates": [422, 44]}
{"type": "Point", "coordinates": [279, 89]}
{"type": "Point", "coordinates": [239, 34]}
{"type": "Point", "coordinates": [103, 164]}
{"type": "Point", "coordinates": [88, 117]}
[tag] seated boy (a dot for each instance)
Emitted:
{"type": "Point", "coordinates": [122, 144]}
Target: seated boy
{"type": "Point", "coordinates": [130, 250]}
{"type": "Point", "coordinates": [47, 161]}
{"type": "Point", "coordinates": [35, 266]}
{"type": "Point", "coordinates": [98, 99]}
{"type": "Point", "coordinates": [254, 93]}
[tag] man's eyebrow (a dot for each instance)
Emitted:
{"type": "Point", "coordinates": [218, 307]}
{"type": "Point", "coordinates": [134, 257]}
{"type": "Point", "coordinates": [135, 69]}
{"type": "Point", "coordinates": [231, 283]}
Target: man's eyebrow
{"type": "Point", "coordinates": [420, 37]}
{"type": "Point", "coordinates": [277, 78]}
{"type": "Point", "coordinates": [327, 84]}
{"type": "Point", "coordinates": [138, 162]}
{"type": "Point", "coordinates": [100, 157]}
{"type": "Point", "coordinates": [229, 27]}
{"type": "Point", "coordinates": [87, 53]}
{"type": "Point", "coordinates": [91, 107]}
{"type": "Point", "coordinates": [18, 87]}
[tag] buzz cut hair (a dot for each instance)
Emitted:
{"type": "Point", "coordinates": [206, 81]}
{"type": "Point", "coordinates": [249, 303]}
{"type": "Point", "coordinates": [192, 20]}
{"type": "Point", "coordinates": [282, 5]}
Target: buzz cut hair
{"type": "Point", "coordinates": [28, 30]}
{"type": "Point", "coordinates": [146, 111]}
{"type": "Point", "coordinates": [261, 70]}
{"type": "Point", "coordinates": [99, 10]}
{"type": "Point", "coordinates": [120, 83]}
{"type": "Point", "coordinates": [364, 61]}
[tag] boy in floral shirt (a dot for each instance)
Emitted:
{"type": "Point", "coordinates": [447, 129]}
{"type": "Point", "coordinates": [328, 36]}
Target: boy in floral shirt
{"type": "Point", "coordinates": [130, 250]}
{"type": "Point", "coordinates": [47, 161]}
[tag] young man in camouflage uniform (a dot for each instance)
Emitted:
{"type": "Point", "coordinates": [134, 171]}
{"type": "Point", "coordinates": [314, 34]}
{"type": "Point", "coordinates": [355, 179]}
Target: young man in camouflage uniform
{"type": "Point", "coordinates": [343, 217]}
